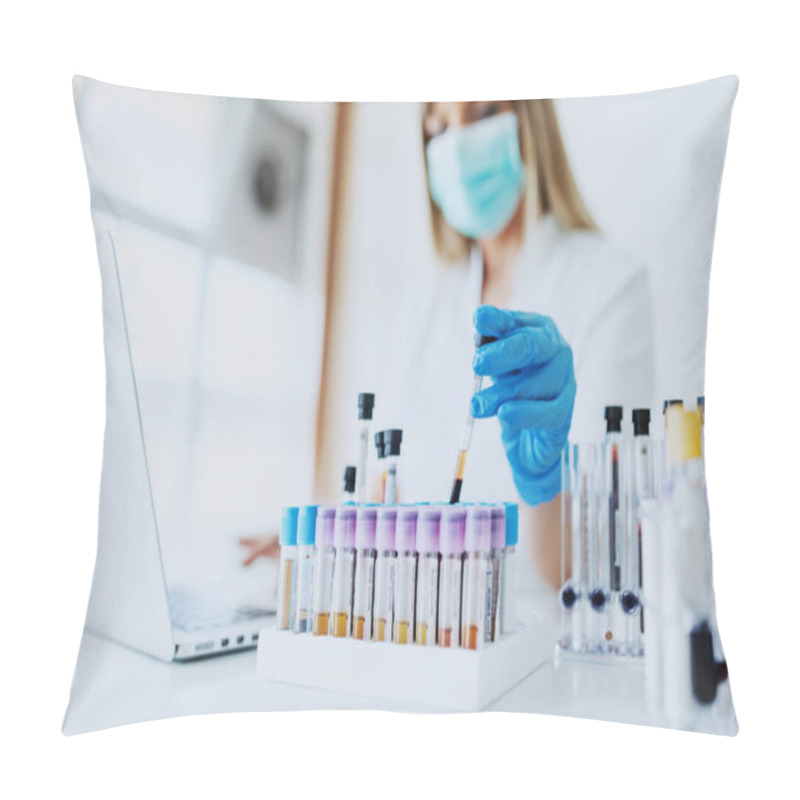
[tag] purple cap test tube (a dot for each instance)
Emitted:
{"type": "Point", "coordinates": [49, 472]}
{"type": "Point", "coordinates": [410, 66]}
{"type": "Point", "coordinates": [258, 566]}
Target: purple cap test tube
{"type": "Point", "coordinates": [325, 524]}
{"type": "Point", "coordinates": [428, 520]}
{"type": "Point", "coordinates": [344, 528]}
{"type": "Point", "coordinates": [451, 546]}
{"type": "Point", "coordinates": [451, 530]}
{"type": "Point", "coordinates": [478, 531]}
{"type": "Point", "coordinates": [498, 526]}
{"type": "Point", "coordinates": [406, 529]}
{"type": "Point", "coordinates": [366, 519]}
{"type": "Point", "coordinates": [385, 528]}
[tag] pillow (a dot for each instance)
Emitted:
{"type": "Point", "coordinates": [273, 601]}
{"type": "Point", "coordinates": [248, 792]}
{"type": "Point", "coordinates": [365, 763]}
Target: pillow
{"type": "Point", "coordinates": [300, 294]}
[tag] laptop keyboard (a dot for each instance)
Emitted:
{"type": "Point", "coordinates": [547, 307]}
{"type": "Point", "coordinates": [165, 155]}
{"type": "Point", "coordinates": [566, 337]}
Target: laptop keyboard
{"type": "Point", "coordinates": [192, 612]}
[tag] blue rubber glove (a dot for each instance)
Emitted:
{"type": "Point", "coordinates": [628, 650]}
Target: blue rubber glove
{"type": "Point", "coordinates": [532, 394]}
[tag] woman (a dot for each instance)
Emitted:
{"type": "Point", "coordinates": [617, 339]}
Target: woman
{"type": "Point", "coordinates": [512, 232]}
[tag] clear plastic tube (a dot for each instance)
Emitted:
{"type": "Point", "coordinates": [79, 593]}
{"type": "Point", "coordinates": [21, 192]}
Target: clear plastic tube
{"type": "Point", "coordinates": [598, 584]}
{"type": "Point", "coordinates": [385, 562]}
{"type": "Point", "coordinates": [570, 593]}
{"type": "Point", "coordinates": [287, 590]}
{"type": "Point", "coordinates": [343, 571]}
{"type": "Point", "coordinates": [364, 589]}
{"type": "Point", "coordinates": [405, 583]}
{"type": "Point", "coordinates": [628, 618]}
{"type": "Point", "coordinates": [466, 432]}
{"type": "Point", "coordinates": [366, 402]}
{"type": "Point", "coordinates": [381, 455]}
{"type": "Point", "coordinates": [497, 523]}
{"type": "Point", "coordinates": [583, 596]}
{"type": "Point", "coordinates": [427, 602]}
{"type": "Point", "coordinates": [305, 578]}
{"type": "Point", "coordinates": [392, 439]}
{"type": "Point", "coordinates": [390, 482]}
{"type": "Point", "coordinates": [451, 547]}
{"type": "Point", "coordinates": [361, 468]}
{"type": "Point", "coordinates": [652, 566]}
{"type": "Point", "coordinates": [306, 535]}
{"type": "Point", "coordinates": [614, 539]}
{"type": "Point", "coordinates": [324, 553]}
{"type": "Point", "coordinates": [475, 613]}
{"type": "Point", "coordinates": [641, 476]}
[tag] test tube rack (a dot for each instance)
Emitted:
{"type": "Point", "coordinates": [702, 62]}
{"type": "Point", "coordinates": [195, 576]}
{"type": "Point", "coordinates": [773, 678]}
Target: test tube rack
{"type": "Point", "coordinates": [602, 598]}
{"type": "Point", "coordinates": [429, 678]}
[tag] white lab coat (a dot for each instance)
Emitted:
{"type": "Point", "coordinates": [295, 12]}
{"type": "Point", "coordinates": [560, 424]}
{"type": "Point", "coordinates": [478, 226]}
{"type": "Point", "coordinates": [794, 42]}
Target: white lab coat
{"type": "Point", "coordinates": [599, 299]}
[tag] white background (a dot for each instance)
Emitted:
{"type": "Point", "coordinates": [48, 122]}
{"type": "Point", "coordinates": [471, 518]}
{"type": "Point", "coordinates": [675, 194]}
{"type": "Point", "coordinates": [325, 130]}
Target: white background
{"type": "Point", "coordinates": [52, 386]}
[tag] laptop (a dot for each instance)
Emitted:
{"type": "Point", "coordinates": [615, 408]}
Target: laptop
{"type": "Point", "coordinates": [206, 624]}
{"type": "Point", "coordinates": [131, 602]}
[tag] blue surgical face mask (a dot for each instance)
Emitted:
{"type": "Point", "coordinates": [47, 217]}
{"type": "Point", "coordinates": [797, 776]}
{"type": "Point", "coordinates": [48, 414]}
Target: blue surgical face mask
{"type": "Point", "coordinates": [476, 175]}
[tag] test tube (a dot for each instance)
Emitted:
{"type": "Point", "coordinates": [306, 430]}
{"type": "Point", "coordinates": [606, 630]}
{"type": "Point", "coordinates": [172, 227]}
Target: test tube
{"type": "Point", "coordinates": [364, 589]}
{"type": "Point", "coordinates": [508, 586]}
{"type": "Point", "coordinates": [615, 538]}
{"type": "Point", "coordinates": [349, 493]}
{"type": "Point", "coordinates": [594, 527]}
{"type": "Point", "coordinates": [324, 553]}
{"type": "Point", "coordinates": [344, 542]}
{"type": "Point", "coordinates": [427, 605]}
{"type": "Point", "coordinates": [662, 465]}
{"type": "Point", "coordinates": [366, 403]}
{"type": "Point", "coordinates": [286, 585]}
{"type": "Point", "coordinates": [391, 448]}
{"type": "Point", "coordinates": [701, 413]}
{"type": "Point", "coordinates": [451, 547]}
{"type": "Point", "coordinates": [477, 574]}
{"type": "Point", "coordinates": [643, 489]}
{"type": "Point", "coordinates": [379, 451]}
{"type": "Point", "coordinates": [497, 524]}
{"type": "Point", "coordinates": [568, 595]}
{"type": "Point", "coordinates": [627, 618]}
{"type": "Point", "coordinates": [466, 433]}
{"type": "Point", "coordinates": [583, 591]}
{"type": "Point", "coordinates": [405, 581]}
{"type": "Point", "coordinates": [385, 562]}
{"type": "Point", "coordinates": [652, 568]}
{"type": "Point", "coordinates": [306, 534]}
{"type": "Point", "coordinates": [690, 671]}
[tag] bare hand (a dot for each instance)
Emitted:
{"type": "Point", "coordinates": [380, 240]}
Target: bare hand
{"type": "Point", "coordinates": [258, 546]}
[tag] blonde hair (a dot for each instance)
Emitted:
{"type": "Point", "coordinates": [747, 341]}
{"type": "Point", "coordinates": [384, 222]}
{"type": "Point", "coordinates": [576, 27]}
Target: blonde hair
{"type": "Point", "coordinates": [549, 179]}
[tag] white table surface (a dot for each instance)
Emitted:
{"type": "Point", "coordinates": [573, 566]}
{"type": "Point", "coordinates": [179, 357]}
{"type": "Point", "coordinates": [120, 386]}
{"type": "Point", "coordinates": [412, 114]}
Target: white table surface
{"type": "Point", "coordinates": [116, 685]}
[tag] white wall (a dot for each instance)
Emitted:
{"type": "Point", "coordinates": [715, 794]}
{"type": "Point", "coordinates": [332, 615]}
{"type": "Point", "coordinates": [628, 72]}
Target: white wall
{"type": "Point", "coordinates": [227, 348]}
{"type": "Point", "coordinates": [654, 191]}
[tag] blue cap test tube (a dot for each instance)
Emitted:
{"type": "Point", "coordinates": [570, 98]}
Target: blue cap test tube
{"type": "Point", "coordinates": [508, 571]}
{"type": "Point", "coordinates": [286, 581]}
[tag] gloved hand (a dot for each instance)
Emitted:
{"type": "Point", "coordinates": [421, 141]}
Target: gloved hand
{"type": "Point", "coordinates": [533, 394]}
